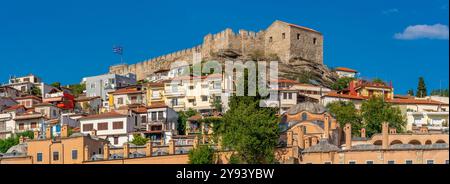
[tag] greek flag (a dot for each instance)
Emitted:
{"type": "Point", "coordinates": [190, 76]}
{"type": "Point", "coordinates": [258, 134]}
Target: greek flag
{"type": "Point", "coordinates": [118, 50]}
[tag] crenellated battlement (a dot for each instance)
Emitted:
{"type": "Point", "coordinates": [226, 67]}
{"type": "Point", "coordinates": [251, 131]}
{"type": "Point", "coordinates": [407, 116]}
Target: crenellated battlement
{"type": "Point", "coordinates": [303, 43]}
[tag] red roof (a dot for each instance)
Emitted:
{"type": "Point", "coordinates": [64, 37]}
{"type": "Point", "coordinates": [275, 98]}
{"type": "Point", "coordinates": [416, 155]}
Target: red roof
{"type": "Point", "coordinates": [155, 84]}
{"type": "Point", "coordinates": [14, 107]}
{"type": "Point", "coordinates": [155, 105]}
{"type": "Point", "coordinates": [28, 97]}
{"type": "Point", "coordinates": [415, 101]}
{"type": "Point", "coordinates": [333, 94]}
{"type": "Point", "coordinates": [140, 110]}
{"type": "Point", "coordinates": [345, 69]}
{"type": "Point", "coordinates": [126, 91]}
{"type": "Point", "coordinates": [112, 114]}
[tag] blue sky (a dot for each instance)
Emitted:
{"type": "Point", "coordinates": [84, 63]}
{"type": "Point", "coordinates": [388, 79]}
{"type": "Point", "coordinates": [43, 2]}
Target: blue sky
{"type": "Point", "coordinates": [67, 40]}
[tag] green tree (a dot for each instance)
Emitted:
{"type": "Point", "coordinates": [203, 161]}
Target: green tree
{"type": "Point", "coordinates": [182, 118]}
{"type": "Point", "coordinates": [35, 91]}
{"type": "Point", "coordinates": [248, 129]}
{"type": "Point", "coordinates": [56, 84]}
{"type": "Point", "coordinates": [375, 111]}
{"type": "Point", "coordinates": [345, 112]}
{"type": "Point", "coordinates": [342, 83]}
{"type": "Point", "coordinates": [138, 140]}
{"type": "Point", "coordinates": [216, 104]}
{"type": "Point", "coordinates": [421, 88]}
{"type": "Point", "coordinates": [440, 92]}
{"type": "Point", "coordinates": [410, 92]}
{"type": "Point", "coordinates": [379, 81]}
{"type": "Point", "coordinates": [5, 144]}
{"type": "Point", "coordinates": [77, 89]}
{"type": "Point", "coordinates": [203, 154]}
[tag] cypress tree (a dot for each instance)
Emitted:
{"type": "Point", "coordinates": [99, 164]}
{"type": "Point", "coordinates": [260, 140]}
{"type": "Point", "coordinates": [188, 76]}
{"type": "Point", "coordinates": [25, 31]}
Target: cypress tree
{"type": "Point", "coordinates": [421, 88]}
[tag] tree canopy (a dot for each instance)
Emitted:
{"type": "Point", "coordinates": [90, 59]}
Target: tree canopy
{"type": "Point", "coordinates": [345, 112]}
{"type": "Point", "coordinates": [182, 118]}
{"type": "Point", "coordinates": [204, 154]}
{"type": "Point", "coordinates": [375, 111]}
{"type": "Point", "coordinates": [421, 88]}
{"type": "Point", "coordinates": [342, 83]}
{"type": "Point", "coordinates": [138, 140]}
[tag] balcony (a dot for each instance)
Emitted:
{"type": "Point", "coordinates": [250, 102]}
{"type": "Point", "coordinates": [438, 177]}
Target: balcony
{"type": "Point", "coordinates": [175, 93]}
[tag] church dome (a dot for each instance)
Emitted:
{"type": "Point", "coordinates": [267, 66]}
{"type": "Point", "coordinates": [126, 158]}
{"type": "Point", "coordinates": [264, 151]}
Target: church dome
{"type": "Point", "coordinates": [306, 106]}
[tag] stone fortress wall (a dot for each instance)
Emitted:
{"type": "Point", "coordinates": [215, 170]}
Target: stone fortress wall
{"type": "Point", "coordinates": [286, 41]}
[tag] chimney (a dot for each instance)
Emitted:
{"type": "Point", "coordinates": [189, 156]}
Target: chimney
{"type": "Point", "coordinates": [289, 138]}
{"type": "Point", "coordinates": [195, 142]}
{"type": "Point", "coordinates": [348, 136]}
{"type": "Point", "coordinates": [307, 142]}
{"type": "Point", "coordinates": [363, 133]}
{"type": "Point", "coordinates": [149, 149]}
{"type": "Point", "coordinates": [86, 153]}
{"type": "Point", "coordinates": [21, 140]}
{"type": "Point", "coordinates": [94, 132]}
{"type": "Point", "coordinates": [36, 134]}
{"type": "Point", "coordinates": [171, 147]}
{"type": "Point", "coordinates": [126, 150]}
{"type": "Point", "coordinates": [314, 141]}
{"type": "Point", "coordinates": [326, 125]}
{"type": "Point", "coordinates": [48, 132]}
{"type": "Point", "coordinates": [65, 131]}
{"type": "Point", "coordinates": [392, 131]}
{"type": "Point", "coordinates": [301, 137]}
{"type": "Point", "coordinates": [423, 130]}
{"type": "Point", "coordinates": [105, 152]}
{"type": "Point", "coordinates": [385, 135]}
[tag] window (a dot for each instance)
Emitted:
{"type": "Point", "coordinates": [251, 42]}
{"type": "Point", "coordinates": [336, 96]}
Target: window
{"type": "Point", "coordinates": [284, 95]}
{"type": "Point", "coordinates": [74, 154]}
{"type": "Point", "coordinates": [430, 161]}
{"type": "Point", "coordinates": [39, 157]}
{"type": "Point", "coordinates": [204, 98]}
{"type": "Point", "coordinates": [143, 119]}
{"type": "Point", "coordinates": [290, 96]}
{"type": "Point", "coordinates": [298, 36]}
{"type": "Point", "coordinates": [408, 162]}
{"type": "Point", "coordinates": [102, 126]}
{"type": "Point", "coordinates": [352, 162]}
{"type": "Point", "coordinates": [369, 162]}
{"type": "Point", "coordinates": [33, 125]}
{"type": "Point", "coordinates": [22, 88]}
{"type": "Point", "coordinates": [54, 112]}
{"type": "Point", "coordinates": [391, 162]}
{"type": "Point", "coordinates": [160, 115]}
{"type": "Point", "coordinates": [21, 126]}
{"type": "Point", "coordinates": [117, 125]}
{"type": "Point", "coordinates": [88, 127]}
{"type": "Point", "coordinates": [133, 99]}
{"type": "Point", "coordinates": [174, 102]}
{"type": "Point", "coordinates": [314, 41]}
{"type": "Point", "coordinates": [270, 39]}
{"type": "Point", "coordinates": [153, 116]}
{"type": "Point", "coordinates": [283, 35]}
{"type": "Point", "coordinates": [191, 87]}
{"type": "Point", "coordinates": [92, 85]}
{"type": "Point", "coordinates": [120, 101]}
{"type": "Point", "coordinates": [55, 156]}
{"type": "Point", "coordinates": [116, 140]}
{"type": "Point", "coordinates": [304, 116]}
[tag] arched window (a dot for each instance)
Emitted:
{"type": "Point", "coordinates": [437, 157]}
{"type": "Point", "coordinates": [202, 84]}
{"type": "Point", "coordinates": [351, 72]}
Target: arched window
{"type": "Point", "coordinates": [304, 116]}
{"type": "Point", "coordinates": [414, 142]}
{"type": "Point", "coordinates": [440, 141]}
{"type": "Point", "coordinates": [396, 142]}
{"type": "Point", "coordinates": [428, 142]}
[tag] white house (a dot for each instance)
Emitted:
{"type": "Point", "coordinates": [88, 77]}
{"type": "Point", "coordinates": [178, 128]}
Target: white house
{"type": "Point", "coordinates": [161, 123]}
{"type": "Point", "coordinates": [7, 122]}
{"type": "Point", "coordinates": [345, 72]}
{"type": "Point", "coordinates": [112, 126]}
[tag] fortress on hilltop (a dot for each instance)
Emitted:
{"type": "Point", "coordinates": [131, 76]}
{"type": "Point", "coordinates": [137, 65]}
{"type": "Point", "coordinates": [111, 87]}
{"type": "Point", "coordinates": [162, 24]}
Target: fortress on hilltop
{"type": "Point", "coordinates": [290, 44]}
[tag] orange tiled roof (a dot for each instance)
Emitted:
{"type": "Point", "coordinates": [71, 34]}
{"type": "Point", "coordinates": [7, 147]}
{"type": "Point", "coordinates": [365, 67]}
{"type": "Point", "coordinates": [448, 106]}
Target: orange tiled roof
{"type": "Point", "coordinates": [415, 101]}
{"type": "Point", "coordinates": [195, 117]}
{"type": "Point", "coordinates": [140, 110]}
{"type": "Point", "coordinates": [155, 105]}
{"type": "Point", "coordinates": [334, 94]}
{"type": "Point", "coordinates": [155, 84]}
{"type": "Point", "coordinates": [112, 114]}
{"type": "Point", "coordinates": [126, 91]}
{"type": "Point", "coordinates": [14, 107]}
{"type": "Point", "coordinates": [345, 69]}
{"type": "Point", "coordinates": [28, 97]}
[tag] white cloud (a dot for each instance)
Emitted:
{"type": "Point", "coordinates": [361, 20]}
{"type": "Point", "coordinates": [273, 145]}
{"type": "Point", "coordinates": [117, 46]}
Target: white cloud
{"type": "Point", "coordinates": [390, 11]}
{"type": "Point", "coordinates": [436, 31]}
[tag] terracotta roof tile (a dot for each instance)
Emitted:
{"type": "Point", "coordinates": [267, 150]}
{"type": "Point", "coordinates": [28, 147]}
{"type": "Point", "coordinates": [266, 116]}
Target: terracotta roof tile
{"type": "Point", "coordinates": [415, 101]}
{"type": "Point", "coordinates": [126, 91]}
{"type": "Point", "coordinates": [14, 107]}
{"type": "Point", "coordinates": [345, 69]}
{"type": "Point", "coordinates": [111, 114]}
{"type": "Point", "coordinates": [336, 95]}
{"type": "Point", "coordinates": [155, 105]}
